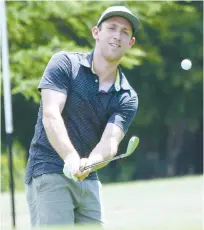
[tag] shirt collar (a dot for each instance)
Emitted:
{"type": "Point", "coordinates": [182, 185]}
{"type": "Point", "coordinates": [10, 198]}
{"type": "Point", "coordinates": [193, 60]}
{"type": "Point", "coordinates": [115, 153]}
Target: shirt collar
{"type": "Point", "coordinates": [121, 81]}
{"type": "Point", "coordinates": [117, 81]}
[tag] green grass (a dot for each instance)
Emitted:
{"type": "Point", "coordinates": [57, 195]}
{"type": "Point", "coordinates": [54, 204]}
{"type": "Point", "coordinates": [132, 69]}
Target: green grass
{"type": "Point", "coordinates": [165, 204]}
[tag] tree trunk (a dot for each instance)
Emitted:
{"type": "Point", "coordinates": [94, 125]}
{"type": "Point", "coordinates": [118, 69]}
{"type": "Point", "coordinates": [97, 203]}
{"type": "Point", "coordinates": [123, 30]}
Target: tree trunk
{"type": "Point", "coordinates": [174, 144]}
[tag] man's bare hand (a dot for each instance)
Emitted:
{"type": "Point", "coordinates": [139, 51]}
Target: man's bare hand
{"type": "Point", "coordinates": [82, 175]}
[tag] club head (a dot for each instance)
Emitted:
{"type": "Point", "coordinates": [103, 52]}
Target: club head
{"type": "Point", "coordinates": [132, 145]}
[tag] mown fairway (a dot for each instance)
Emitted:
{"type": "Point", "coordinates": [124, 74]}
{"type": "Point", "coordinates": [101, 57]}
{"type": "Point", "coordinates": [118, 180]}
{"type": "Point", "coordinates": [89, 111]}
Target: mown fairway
{"type": "Point", "coordinates": [166, 204]}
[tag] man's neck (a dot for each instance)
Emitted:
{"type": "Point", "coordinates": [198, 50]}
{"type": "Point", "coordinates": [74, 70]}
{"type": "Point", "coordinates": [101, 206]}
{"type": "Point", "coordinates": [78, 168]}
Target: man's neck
{"type": "Point", "coordinates": [105, 70]}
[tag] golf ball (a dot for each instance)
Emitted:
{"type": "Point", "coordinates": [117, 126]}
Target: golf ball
{"type": "Point", "coordinates": [186, 64]}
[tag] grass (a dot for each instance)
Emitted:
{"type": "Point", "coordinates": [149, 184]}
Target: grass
{"type": "Point", "coordinates": [165, 204]}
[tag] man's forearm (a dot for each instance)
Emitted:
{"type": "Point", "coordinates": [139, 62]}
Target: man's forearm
{"type": "Point", "coordinates": [95, 158]}
{"type": "Point", "coordinates": [105, 150]}
{"type": "Point", "coordinates": [57, 135]}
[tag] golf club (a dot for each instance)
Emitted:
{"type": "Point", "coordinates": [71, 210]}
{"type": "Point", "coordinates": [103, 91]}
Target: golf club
{"type": "Point", "coordinates": [132, 144]}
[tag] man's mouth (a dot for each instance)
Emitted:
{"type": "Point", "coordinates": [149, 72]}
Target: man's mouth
{"type": "Point", "coordinates": [114, 45]}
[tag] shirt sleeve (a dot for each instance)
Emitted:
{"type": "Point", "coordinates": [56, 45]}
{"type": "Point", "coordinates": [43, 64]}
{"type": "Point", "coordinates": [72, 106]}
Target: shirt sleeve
{"type": "Point", "coordinates": [125, 114]}
{"type": "Point", "coordinates": [57, 74]}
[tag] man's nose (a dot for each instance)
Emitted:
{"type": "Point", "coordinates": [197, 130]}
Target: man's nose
{"type": "Point", "coordinates": [117, 35]}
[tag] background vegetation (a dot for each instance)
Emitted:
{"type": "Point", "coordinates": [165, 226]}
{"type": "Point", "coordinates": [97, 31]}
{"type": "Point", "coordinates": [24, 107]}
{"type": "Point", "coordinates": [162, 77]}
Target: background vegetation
{"type": "Point", "coordinates": [169, 121]}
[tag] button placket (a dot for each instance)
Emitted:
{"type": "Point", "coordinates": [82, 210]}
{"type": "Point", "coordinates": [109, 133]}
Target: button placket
{"type": "Point", "coordinates": [97, 83]}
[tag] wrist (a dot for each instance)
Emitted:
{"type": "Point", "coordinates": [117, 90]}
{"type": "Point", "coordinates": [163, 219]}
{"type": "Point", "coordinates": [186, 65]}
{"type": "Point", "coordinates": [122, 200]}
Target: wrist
{"type": "Point", "coordinates": [95, 158]}
{"type": "Point", "coordinates": [69, 154]}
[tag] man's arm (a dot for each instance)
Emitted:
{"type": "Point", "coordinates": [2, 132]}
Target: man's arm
{"type": "Point", "coordinates": [106, 149]}
{"type": "Point", "coordinates": [53, 104]}
{"type": "Point", "coordinates": [112, 136]}
{"type": "Point", "coordinates": [108, 146]}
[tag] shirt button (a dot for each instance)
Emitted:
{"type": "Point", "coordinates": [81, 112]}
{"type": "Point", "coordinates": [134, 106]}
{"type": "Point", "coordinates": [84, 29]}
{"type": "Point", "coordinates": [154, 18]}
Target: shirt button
{"type": "Point", "coordinates": [96, 80]}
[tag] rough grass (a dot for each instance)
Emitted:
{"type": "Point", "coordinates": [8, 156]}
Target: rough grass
{"type": "Point", "coordinates": [170, 204]}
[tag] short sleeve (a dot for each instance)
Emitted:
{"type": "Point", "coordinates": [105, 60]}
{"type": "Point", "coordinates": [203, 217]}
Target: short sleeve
{"type": "Point", "coordinates": [125, 114]}
{"type": "Point", "coordinates": [57, 74]}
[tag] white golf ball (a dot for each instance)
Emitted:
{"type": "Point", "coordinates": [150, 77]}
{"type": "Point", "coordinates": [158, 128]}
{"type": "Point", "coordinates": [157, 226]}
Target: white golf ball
{"type": "Point", "coordinates": [186, 64]}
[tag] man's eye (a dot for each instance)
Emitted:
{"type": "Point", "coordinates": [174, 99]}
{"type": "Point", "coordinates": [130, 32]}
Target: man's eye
{"type": "Point", "coordinates": [111, 28]}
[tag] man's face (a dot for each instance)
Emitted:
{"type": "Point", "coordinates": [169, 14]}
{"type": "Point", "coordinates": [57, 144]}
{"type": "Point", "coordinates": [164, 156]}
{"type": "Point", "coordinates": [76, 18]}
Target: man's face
{"type": "Point", "coordinates": [114, 38]}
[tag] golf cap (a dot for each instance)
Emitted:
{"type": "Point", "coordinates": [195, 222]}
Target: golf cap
{"type": "Point", "coordinates": [120, 11]}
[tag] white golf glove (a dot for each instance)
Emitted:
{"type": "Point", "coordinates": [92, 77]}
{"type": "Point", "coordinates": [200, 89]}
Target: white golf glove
{"type": "Point", "coordinates": [71, 165]}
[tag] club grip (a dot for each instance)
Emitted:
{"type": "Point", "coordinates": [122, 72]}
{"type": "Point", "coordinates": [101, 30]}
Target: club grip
{"type": "Point", "coordinates": [90, 166]}
{"type": "Point", "coordinates": [93, 165]}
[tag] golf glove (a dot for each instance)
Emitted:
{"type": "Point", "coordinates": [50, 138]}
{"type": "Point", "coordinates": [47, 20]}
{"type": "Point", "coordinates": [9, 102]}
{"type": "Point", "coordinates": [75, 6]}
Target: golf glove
{"type": "Point", "coordinates": [71, 165]}
{"type": "Point", "coordinates": [69, 174]}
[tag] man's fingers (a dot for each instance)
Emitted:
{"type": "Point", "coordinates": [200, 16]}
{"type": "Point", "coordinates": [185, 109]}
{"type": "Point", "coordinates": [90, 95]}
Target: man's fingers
{"type": "Point", "coordinates": [83, 162]}
{"type": "Point", "coordinates": [74, 177]}
{"type": "Point", "coordinates": [82, 175]}
{"type": "Point", "coordinates": [78, 174]}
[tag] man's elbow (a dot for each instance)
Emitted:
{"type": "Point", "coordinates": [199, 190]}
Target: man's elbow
{"type": "Point", "coordinates": [48, 119]}
{"type": "Point", "coordinates": [45, 122]}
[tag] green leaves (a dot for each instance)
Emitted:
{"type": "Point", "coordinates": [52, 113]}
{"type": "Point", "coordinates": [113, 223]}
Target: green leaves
{"type": "Point", "coordinates": [169, 32]}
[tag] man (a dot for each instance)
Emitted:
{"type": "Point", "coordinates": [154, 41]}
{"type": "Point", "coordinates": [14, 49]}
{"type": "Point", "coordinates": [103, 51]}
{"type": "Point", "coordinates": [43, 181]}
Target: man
{"type": "Point", "coordinates": [86, 108]}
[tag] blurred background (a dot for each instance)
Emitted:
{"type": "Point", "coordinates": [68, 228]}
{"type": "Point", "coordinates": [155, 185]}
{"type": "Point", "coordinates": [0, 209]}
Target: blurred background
{"type": "Point", "coordinates": [169, 121]}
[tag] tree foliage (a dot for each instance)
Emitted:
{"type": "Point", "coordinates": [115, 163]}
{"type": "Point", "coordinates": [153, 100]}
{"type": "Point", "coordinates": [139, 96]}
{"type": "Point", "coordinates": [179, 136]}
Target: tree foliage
{"type": "Point", "coordinates": [170, 99]}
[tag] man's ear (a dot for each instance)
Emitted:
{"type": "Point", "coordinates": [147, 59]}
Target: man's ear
{"type": "Point", "coordinates": [95, 31]}
{"type": "Point", "coordinates": [132, 42]}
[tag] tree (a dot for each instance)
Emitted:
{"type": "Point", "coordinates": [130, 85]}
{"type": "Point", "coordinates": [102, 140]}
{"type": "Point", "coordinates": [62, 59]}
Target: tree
{"type": "Point", "coordinates": [170, 99]}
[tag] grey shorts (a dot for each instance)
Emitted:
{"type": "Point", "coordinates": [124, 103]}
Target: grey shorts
{"type": "Point", "coordinates": [53, 199]}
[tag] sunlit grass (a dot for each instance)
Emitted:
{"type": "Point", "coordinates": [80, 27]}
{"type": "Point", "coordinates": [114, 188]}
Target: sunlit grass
{"type": "Point", "coordinates": [166, 204]}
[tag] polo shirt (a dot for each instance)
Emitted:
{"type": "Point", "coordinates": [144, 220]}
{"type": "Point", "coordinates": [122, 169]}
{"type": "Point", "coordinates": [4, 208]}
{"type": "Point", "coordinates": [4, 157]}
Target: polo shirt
{"type": "Point", "coordinates": [86, 112]}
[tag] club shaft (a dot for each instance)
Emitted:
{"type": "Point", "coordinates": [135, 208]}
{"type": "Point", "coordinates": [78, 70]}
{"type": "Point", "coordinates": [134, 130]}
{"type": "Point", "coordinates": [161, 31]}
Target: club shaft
{"type": "Point", "coordinates": [132, 144]}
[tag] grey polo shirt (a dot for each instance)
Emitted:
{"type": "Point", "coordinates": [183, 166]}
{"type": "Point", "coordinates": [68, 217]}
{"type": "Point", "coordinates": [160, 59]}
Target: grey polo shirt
{"type": "Point", "coordinates": [86, 112]}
